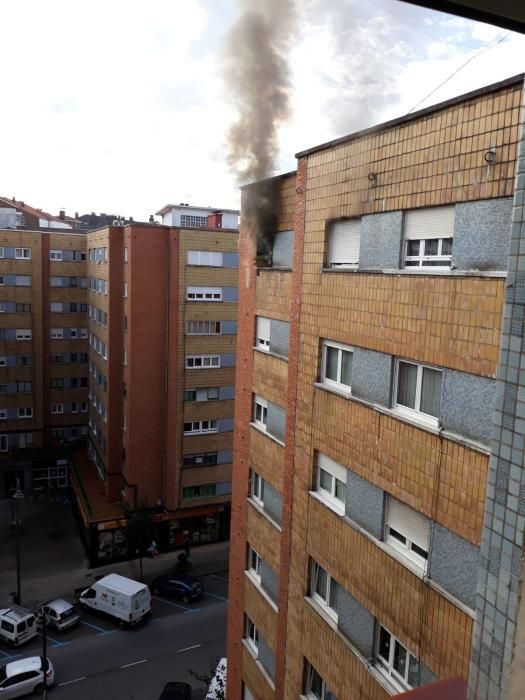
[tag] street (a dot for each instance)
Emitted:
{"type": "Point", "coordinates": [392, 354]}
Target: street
{"type": "Point", "coordinates": [98, 660]}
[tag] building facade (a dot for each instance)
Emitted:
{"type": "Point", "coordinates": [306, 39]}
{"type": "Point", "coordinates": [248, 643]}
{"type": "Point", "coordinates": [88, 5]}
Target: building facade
{"type": "Point", "coordinates": [43, 356]}
{"type": "Point", "coordinates": [369, 354]}
{"type": "Point", "coordinates": [162, 308]}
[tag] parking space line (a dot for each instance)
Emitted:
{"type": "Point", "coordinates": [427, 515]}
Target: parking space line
{"type": "Point", "coordinates": [170, 602]}
{"type": "Point", "coordinates": [195, 646]}
{"type": "Point", "coordinates": [9, 656]}
{"type": "Point", "coordinates": [55, 642]}
{"type": "Point", "coordinates": [134, 663]}
{"type": "Point", "coordinates": [75, 680]}
{"type": "Point", "coordinates": [221, 578]}
{"type": "Point", "coordinates": [100, 630]}
{"type": "Point", "coordinates": [213, 595]}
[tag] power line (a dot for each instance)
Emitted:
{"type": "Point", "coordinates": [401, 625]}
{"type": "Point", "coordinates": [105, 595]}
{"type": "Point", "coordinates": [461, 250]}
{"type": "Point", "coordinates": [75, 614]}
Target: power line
{"type": "Point", "coordinates": [490, 45]}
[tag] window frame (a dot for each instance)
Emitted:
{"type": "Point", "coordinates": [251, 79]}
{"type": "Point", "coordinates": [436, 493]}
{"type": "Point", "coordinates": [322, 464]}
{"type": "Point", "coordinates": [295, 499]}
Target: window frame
{"type": "Point", "coordinates": [25, 412]}
{"type": "Point", "coordinates": [251, 636]}
{"type": "Point", "coordinates": [326, 693]}
{"type": "Point", "coordinates": [325, 602]}
{"type": "Point", "coordinates": [408, 411]}
{"type": "Point", "coordinates": [207, 329]}
{"type": "Point", "coordinates": [336, 471]}
{"type": "Point", "coordinates": [386, 667]}
{"type": "Point", "coordinates": [254, 563]}
{"type": "Point", "coordinates": [203, 358]}
{"type": "Point", "coordinates": [24, 334]}
{"type": "Point", "coordinates": [22, 255]}
{"type": "Point", "coordinates": [57, 409]}
{"type": "Point", "coordinates": [206, 294]}
{"type": "Point", "coordinates": [256, 488]}
{"type": "Point", "coordinates": [259, 402]}
{"type": "Point", "coordinates": [205, 258]}
{"type": "Point", "coordinates": [211, 427]}
{"type": "Point", "coordinates": [340, 347]}
{"type": "Point", "coordinates": [56, 255]}
{"type": "Point", "coordinates": [408, 548]}
{"type": "Point", "coordinates": [261, 341]}
{"type": "Point", "coordinates": [421, 258]}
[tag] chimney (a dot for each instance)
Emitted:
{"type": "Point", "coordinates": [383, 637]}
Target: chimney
{"type": "Point", "coordinates": [76, 215]}
{"type": "Point", "coordinates": [62, 214]}
{"type": "Point", "coordinates": [215, 219]}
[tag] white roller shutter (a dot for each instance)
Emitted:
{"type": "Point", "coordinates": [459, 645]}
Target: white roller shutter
{"type": "Point", "coordinates": [435, 222]}
{"type": "Point", "coordinates": [263, 328]}
{"type": "Point", "coordinates": [344, 242]}
{"type": "Point", "coordinates": [413, 525]}
{"type": "Point", "coordinates": [332, 467]}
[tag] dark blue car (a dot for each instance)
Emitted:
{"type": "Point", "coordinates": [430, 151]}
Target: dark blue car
{"type": "Point", "coordinates": [180, 586]}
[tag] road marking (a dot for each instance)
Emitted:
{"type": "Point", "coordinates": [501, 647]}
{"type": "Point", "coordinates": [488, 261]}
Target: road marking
{"type": "Point", "coordinates": [221, 578]}
{"type": "Point", "coordinates": [170, 602]}
{"type": "Point", "coordinates": [9, 656]}
{"type": "Point", "coordinates": [213, 595]}
{"type": "Point", "coordinates": [75, 680]}
{"type": "Point", "coordinates": [195, 646]}
{"type": "Point", "coordinates": [100, 630]}
{"type": "Point", "coordinates": [55, 642]}
{"type": "Point", "coordinates": [134, 663]}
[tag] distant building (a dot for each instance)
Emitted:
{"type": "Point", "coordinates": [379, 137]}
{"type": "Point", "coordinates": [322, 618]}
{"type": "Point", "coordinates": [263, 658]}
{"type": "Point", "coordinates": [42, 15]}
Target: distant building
{"type": "Point", "coordinates": [188, 216]}
{"type": "Point", "coordinates": [35, 219]}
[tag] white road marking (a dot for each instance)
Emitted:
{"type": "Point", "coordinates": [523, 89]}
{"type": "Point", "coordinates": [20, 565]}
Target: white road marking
{"type": "Point", "coordinates": [195, 646]}
{"type": "Point", "coordinates": [134, 663]}
{"type": "Point", "coordinates": [221, 578]}
{"type": "Point", "coordinates": [76, 680]}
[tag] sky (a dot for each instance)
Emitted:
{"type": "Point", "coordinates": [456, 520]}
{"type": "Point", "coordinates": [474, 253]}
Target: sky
{"type": "Point", "coordinates": [120, 106]}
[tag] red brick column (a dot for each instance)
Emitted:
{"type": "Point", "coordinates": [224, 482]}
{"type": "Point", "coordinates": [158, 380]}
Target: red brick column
{"type": "Point", "coordinates": [241, 454]}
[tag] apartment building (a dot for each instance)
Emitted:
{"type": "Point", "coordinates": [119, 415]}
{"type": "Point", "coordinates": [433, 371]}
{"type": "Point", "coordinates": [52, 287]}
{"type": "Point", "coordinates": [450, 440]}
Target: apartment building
{"type": "Point", "coordinates": [378, 451]}
{"type": "Point", "coordinates": [162, 310]}
{"type": "Point", "coordinates": [43, 356]}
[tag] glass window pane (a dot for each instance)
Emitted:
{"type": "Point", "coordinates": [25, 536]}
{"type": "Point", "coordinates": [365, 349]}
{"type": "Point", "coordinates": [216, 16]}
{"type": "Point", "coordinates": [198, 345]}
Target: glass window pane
{"type": "Point", "coordinates": [446, 246]}
{"type": "Point", "coordinates": [346, 367]}
{"type": "Point", "coordinates": [413, 247]}
{"type": "Point", "coordinates": [384, 644]}
{"type": "Point", "coordinates": [333, 594]}
{"type": "Point", "coordinates": [325, 480]}
{"type": "Point", "coordinates": [413, 672]}
{"type": "Point", "coordinates": [431, 246]}
{"type": "Point", "coordinates": [316, 684]}
{"type": "Point", "coordinates": [431, 392]}
{"type": "Point", "coordinates": [406, 384]}
{"type": "Point", "coordinates": [400, 659]}
{"type": "Point", "coordinates": [321, 582]}
{"type": "Point", "coordinates": [331, 363]}
{"type": "Point", "coordinates": [339, 490]}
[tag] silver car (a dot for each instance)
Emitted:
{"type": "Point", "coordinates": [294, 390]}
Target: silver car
{"type": "Point", "coordinates": [60, 614]}
{"type": "Point", "coordinates": [25, 676]}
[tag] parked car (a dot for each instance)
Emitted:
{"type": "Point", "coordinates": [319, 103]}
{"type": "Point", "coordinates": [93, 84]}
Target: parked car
{"type": "Point", "coordinates": [60, 614]}
{"type": "Point", "coordinates": [117, 596]}
{"type": "Point", "coordinates": [17, 625]}
{"type": "Point", "coordinates": [176, 691]}
{"type": "Point", "coordinates": [181, 586]}
{"type": "Point", "coordinates": [25, 676]}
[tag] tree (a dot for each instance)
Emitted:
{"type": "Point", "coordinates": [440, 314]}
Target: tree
{"type": "Point", "coordinates": [140, 531]}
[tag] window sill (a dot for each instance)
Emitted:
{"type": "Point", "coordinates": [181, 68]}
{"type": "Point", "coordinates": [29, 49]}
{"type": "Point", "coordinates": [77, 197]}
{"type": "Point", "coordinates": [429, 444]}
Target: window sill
{"type": "Point", "coordinates": [418, 272]}
{"type": "Point", "coordinates": [271, 354]}
{"type": "Point", "coordinates": [268, 435]}
{"type": "Point", "coordinates": [260, 509]}
{"type": "Point", "coordinates": [334, 507]}
{"type": "Point", "coordinates": [257, 583]}
{"type": "Point", "coordinates": [409, 420]}
{"type": "Point", "coordinates": [273, 269]}
{"type": "Point", "coordinates": [259, 665]}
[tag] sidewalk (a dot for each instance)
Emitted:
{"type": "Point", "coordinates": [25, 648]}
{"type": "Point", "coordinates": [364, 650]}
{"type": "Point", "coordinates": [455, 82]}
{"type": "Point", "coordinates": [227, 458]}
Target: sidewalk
{"type": "Point", "coordinates": [53, 561]}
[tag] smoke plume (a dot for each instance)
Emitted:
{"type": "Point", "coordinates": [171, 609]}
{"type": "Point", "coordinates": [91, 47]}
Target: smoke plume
{"type": "Point", "coordinates": [258, 82]}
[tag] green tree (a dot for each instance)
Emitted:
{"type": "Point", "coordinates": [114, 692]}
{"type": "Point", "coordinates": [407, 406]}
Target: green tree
{"type": "Point", "coordinates": [140, 531]}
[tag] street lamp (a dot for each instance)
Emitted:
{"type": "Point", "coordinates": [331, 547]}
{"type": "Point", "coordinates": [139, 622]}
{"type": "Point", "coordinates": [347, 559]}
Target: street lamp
{"type": "Point", "coordinates": [17, 497]}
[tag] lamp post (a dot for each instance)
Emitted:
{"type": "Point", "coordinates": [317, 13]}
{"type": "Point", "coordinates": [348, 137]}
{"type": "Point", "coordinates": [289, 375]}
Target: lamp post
{"type": "Point", "coordinates": [17, 497]}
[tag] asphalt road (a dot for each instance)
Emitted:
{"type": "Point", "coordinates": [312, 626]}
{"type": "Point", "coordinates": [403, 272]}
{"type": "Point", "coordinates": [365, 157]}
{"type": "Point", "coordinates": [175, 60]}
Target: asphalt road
{"type": "Point", "coordinates": [97, 660]}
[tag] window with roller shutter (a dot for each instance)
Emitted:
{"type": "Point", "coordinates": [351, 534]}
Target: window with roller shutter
{"type": "Point", "coordinates": [428, 237]}
{"type": "Point", "coordinates": [344, 243]}
{"type": "Point", "coordinates": [407, 530]}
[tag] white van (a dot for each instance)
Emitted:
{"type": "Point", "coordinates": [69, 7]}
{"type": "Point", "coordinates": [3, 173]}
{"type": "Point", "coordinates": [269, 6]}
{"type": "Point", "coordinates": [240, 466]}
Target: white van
{"type": "Point", "coordinates": [122, 598]}
{"type": "Point", "coordinates": [17, 625]}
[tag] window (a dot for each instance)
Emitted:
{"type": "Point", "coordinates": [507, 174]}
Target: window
{"type": "Point", "coordinates": [57, 333]}
{"type": "Point", "coordinates": [191, 221]}
{"type": "Point", "coordinates": [331, 483]}
{"type": "Point", "coordinates": [2, 282]}
{"type": "Point", "coordinates": [263, 333]}
{"type": "Point", "coordinates": [252, 635]}
{"type": "Point", "coordinates": [24, 360]}
{"type": "Point", "coordinates": [200, 460]}
{"type": "Point", "coordinates": [254, 563]}
{"type": "Point", "coordinates": [418, 389]}
{"type": "Point", "coordinates": [208, 394]}
{"type": "Point", "coordinates": [343, 244]}
{"type": "Point", "coordinates": [24, 387]}
{"type": "Point", "coordinates": [204, 257]}
{"type": "Point", "coordinates": [204, 293]}
{"type": "Point", "coordinates": [395, 661]}
{"type": "Point", "coordinates": [4, 444]}
{"type": "Point", "coordinates": [23, 253]}
{"type": "Point", "coordinates": [56, 307]}
{"type": "Point", "coordinates": [125, 289]}
{"type": "Point", "coordinates": [3, 307]}
{"type": "Point", "coordinates": [24, 334]}
{"type": "Point", "coordinates": [125, 255]}
{"type": "Point", "coordinates": [57, 408]}
{"type": "Point", "coordinates": [205, 491]}
{"type": "Point", "coordinates": [57, 383]}
{"type": "Point", "coordinates": [22, 308]}
{"type": "Point", "coordinates": [200, 426]}
{"type": "Point", "coordinates": [203, 327]}
{"type": "Point", "coordinates": [260, 411]}
{"type": "Point", "coordinates": [337, 365]}
{"type": "Point", "coordinates": [315, 687]}
{"type": "Point", "coordinates": [25, 412]}
{"type": "Point", "coordinates": [55, 255]}
{"type": "Point", "coordinates": [428, 237]}
{"type": "Point", "coordinates": [3, 361]}
{"type": "Point", "coordinates": [3, 413]}
{"type": "Point", "coordinates": [323, 589]}
{"type": "Point", "coordinates": [202, 361]}
{"type": "Point", "coordinates": [407, 530]}
{"type": "Point", "coordinates": [257, 487]}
